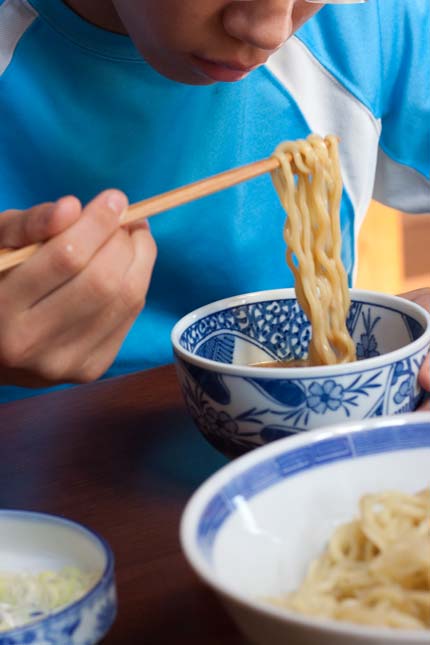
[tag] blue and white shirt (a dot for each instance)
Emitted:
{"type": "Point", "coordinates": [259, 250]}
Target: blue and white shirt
{"type": "Point", "coordinates": [81, 111]}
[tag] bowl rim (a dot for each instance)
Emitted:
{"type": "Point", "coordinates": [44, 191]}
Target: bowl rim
{"type": "Point", "coordinates": [405, 306]}
{"type": "Point", "coordinates": [104, 579]}
{"type": "Point", "coordinates": [198, 502]}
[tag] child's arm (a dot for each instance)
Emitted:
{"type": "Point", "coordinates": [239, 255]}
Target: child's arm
{"type": "Point", "coordinates": [65, 312]}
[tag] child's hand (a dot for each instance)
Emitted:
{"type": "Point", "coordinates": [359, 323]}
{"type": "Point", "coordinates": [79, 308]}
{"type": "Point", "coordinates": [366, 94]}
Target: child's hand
{"type": "Point", "coordinates": [422, 297]}
{"type": "Point", "coordinates": [65, 312]}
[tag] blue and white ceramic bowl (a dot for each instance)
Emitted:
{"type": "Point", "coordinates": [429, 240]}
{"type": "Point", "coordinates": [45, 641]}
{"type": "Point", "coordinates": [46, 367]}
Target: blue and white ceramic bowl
{"type": "Point", "coordinates": [35, 542]}
{"type": "Point", "coordinates": [238, 407]}
{"type": "Point", "coordinates": [251, 530]}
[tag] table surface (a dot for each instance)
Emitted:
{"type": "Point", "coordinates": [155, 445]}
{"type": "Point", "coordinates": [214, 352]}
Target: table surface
{"type": "Point", "coordinates": [122, 457]}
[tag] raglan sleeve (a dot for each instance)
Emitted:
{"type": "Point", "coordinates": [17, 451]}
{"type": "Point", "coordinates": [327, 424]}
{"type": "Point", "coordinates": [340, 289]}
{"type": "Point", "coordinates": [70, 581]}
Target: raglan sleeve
{"type": "Point", "coordinates": [403, 166]}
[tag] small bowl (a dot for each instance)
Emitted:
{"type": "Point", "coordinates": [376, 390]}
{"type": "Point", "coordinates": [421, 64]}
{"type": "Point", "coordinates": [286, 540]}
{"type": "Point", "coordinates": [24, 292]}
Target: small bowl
{"type": "Point", "coordinates": [251, 530]}
{"type": "Point", "coordinates": [238, 406]}
{"type": "Point", "coordinates": [35, 542]}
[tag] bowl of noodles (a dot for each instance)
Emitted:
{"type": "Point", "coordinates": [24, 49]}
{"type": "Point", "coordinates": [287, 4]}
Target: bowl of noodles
{"type": "Point", "coordinates": [238, 403]}
{"type": "Point", "coordinates": [322, 538]}
{"type": "Point", "coordinates": [349, 354]}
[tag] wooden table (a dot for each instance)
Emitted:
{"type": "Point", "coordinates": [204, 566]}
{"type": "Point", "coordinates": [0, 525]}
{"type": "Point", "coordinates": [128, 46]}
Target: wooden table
{"type": "Point", "coordinates": [122, 457]}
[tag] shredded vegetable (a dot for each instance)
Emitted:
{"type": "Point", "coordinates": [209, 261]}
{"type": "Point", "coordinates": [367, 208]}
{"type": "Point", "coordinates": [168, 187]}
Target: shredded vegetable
{"type": "Point", "coordinates": [26, 597]}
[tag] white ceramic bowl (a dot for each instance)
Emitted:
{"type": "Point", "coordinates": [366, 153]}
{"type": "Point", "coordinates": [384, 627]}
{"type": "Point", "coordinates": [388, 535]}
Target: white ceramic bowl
{"type": "Point", "coordinates": [238, 407]}
{"type": "Point", "coordinates": [35, 542]}
{"type": "Point", "coordinates": [251, 530]}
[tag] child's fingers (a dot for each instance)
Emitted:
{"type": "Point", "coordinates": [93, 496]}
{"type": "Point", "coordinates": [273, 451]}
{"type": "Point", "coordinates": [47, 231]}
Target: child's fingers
{"type": "Point", "coordinates": [37, 224]}
{"type": "Point", "coordinates": [424, 375]}
{"type": "Point", "coordinates": [117, 278]}
{"type": "Point", "coordinates": [145, 253]}
{"type": "Point", "coordinates": [68, 254]}
{"type": "Point", "coordinates": [422, 298]}
{"type": "Point", "coordinates": [101, 356]}
{"type": "Point", "coordinates": [111, 327]}
{"type": "Point", "coordinates": [139, 225]}
{"type": "Point", "coordinates": [75, 332]}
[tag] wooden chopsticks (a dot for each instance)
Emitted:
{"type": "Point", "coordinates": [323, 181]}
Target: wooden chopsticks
{"type": "Point", "coordinates": [10, 258]}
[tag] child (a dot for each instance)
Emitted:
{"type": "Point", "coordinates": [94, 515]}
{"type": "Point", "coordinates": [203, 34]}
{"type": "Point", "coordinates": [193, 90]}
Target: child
{"type": "Point", "coordinates": [144, 96]}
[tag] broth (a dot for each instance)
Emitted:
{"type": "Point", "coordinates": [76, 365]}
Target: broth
{"type": "Point", "coordinates": [303, 362]}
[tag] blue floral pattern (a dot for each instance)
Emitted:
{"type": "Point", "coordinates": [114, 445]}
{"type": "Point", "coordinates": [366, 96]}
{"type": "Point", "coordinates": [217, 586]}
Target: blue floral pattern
{"type": "Point", "coordinates": [280, 327]}
{"type": "Point", "coordinates": [367, 346]}
{"type": "Point", "coordinates": [329, 394]}
{"type": "Point", "coordinates": [404, 377]}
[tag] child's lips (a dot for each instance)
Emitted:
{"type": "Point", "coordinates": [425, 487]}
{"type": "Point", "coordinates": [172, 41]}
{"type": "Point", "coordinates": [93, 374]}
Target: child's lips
{"type": "Point", "coordinates": [222, 71]}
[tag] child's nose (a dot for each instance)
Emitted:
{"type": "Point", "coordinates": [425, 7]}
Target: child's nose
{"type": "Point", "coordinates": [265, 24]}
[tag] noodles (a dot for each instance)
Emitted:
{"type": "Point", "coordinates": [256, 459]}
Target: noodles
{"type": "Point", "coordinates": [312, 234]}
{"type": "Point", "coordinates": [376, 569]}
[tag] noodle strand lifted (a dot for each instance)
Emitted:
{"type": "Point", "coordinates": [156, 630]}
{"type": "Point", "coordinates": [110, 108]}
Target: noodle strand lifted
{"type": "Point", "coordinates": [312, 233]}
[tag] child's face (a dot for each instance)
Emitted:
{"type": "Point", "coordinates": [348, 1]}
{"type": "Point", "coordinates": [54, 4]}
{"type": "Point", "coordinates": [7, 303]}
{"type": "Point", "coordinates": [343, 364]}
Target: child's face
{"type": "Point", "coordinates": [204, 41]}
